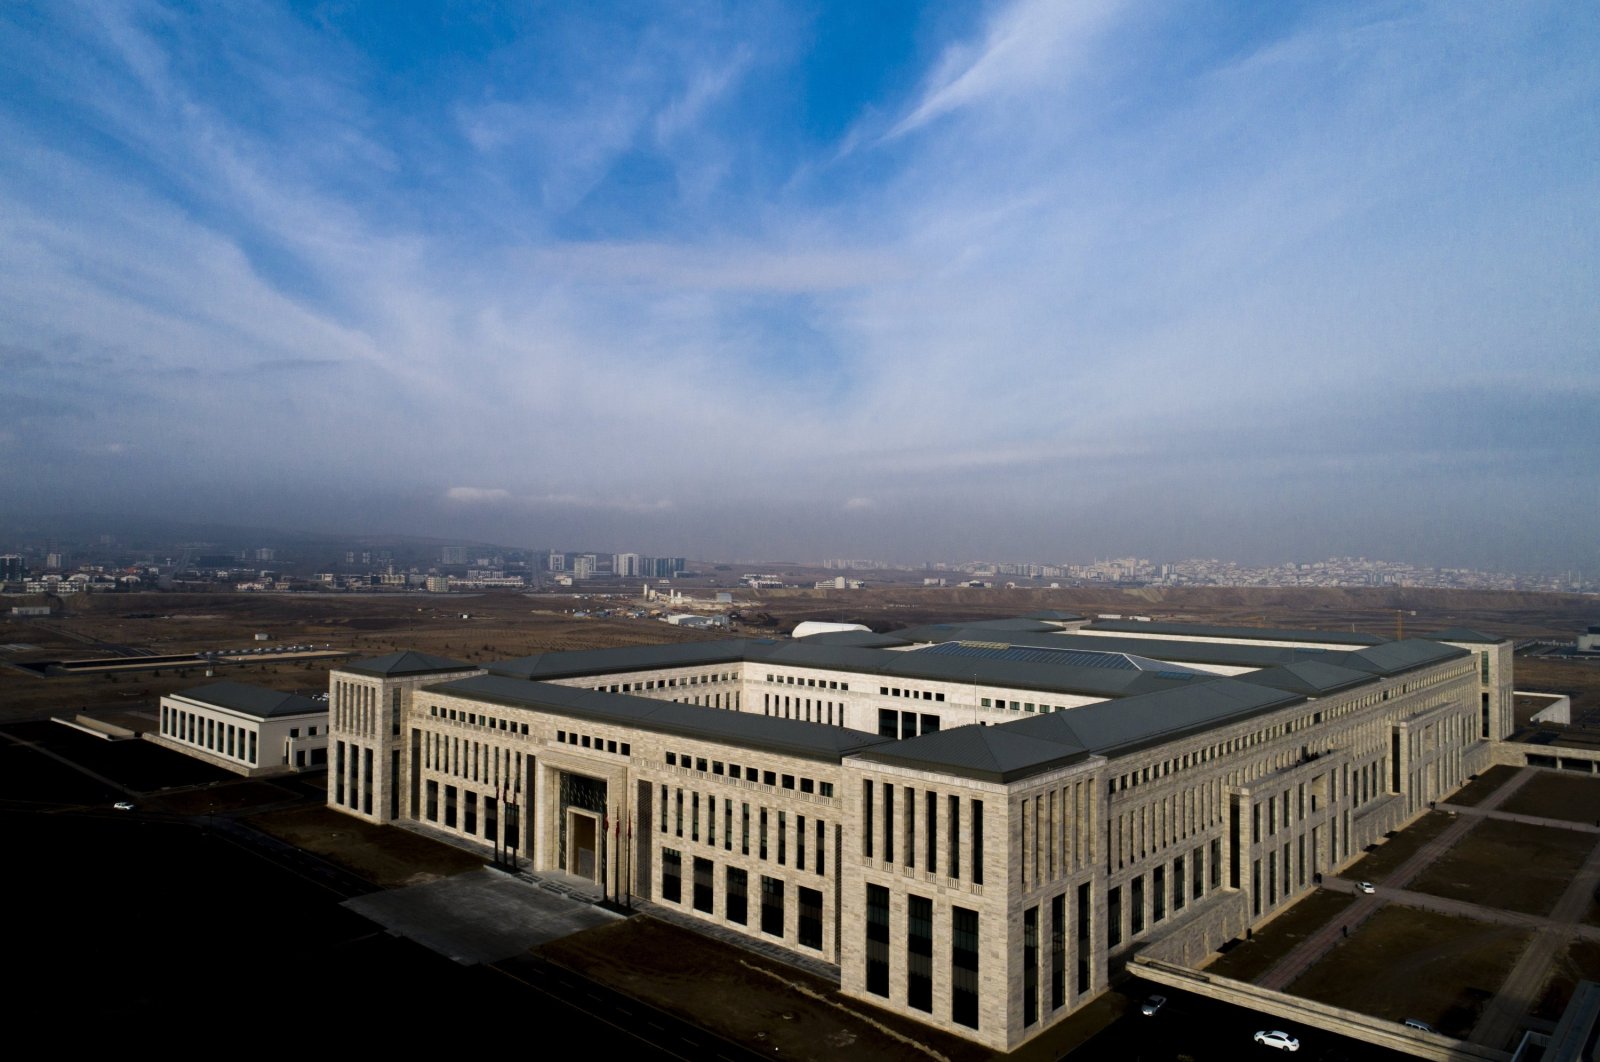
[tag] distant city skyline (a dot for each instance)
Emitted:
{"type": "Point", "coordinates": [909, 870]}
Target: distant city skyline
{"type": "Point", "coordinates": [1016, 279]}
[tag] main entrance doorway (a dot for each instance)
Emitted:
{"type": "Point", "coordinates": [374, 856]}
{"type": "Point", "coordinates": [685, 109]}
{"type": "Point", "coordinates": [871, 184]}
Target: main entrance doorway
{"type": "Point", "coordinates": [582, 847]}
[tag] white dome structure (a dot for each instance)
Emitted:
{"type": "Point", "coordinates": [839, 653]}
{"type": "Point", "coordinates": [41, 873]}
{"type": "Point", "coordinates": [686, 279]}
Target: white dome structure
{"type": "Point", "coordinates": [810, 627]}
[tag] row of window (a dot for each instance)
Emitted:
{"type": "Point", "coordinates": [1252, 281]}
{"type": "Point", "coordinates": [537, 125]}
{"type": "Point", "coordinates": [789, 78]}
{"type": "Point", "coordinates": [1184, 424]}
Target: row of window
{"type": "Point", "coordinates": [1021, 706]}
{"type": "Point", "coordinates": [687, 814]}
{"type": "Point", "coordinates": [492, 722]}
{"type": "Point", "coordinates": [1188, 881]}
{"type": "Point", "coordinates": [666, 683]}
{"type": "Point", "coordinates": [821, 684]}
{"type": "Point", "coordinates": [1032, 949]}
{"type": "Point", "coordinates": [472, 761]}
{"type": "Point", "coordinates": [749, 774]}
{"type": "Point", "coordinates": [459, 811]}
{"type": "Point", "coordinates": [735, 897]}
{"type": "Point", "coordinates": [812, 711]}
{"type": "Point", "coordinates": [895, 691]}
{"type": "Point", "coordinates": [202, 731]}
{"type": "Point", "coordinates": [899, 830]}
{"type": "Point", "coordinates": [919, 950]}
{"type": "Point", "coordinates": [1169, 819]}
{"type": "Point", "coordinates": [355, 708]}
{"type": "Point", "coordinates": [600, 745]}
{"type": "Point", "coordinates": [1057, 837]}
{"type": "Point", "coordinates": [352, 777]}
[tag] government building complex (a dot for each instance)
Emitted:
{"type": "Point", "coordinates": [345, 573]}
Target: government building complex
{"type": "Point", "coordinates": [978, 823]}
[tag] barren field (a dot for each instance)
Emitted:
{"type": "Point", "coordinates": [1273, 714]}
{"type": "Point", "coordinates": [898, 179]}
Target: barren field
{"type": "Point", "coordinates": [1546, 859]}
{"type": "Point", "coordinates": [1382, 861]}
{"type": "Point", "coordinates": [1570, 797]}
{"type": "Point", "coordinates": [1481, 788]}
{"type": "Point", "coordinates": [1247, 960]}
{"type": "Point", "coordinates": [1409, 963]}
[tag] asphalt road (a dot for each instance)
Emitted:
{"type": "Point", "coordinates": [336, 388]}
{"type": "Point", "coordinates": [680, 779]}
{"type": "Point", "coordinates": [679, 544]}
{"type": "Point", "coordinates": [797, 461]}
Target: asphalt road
{"type": "Point", "coordinates": [1206, 1030]}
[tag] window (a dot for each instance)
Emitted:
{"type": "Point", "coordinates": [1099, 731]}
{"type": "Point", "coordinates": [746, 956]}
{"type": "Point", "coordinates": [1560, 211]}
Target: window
{"type": "Point", "coordinates": [964, 967]}
{"type": "Point", "coordinates": [1058, 952]}
{"type": "Point", "coordinates": [736, 899]}
{"type": "Point", "coordinates": [878, 940]}
{"type": "Point", "coordinates": [1030, 966]}
{"type": "Point", "coordinates": [919, 953]}
{"type": "Point", "coordinates": [702, 885]}
{"type": "Point", "coordinates": [810, 927]}
{"type": "Point", "coordinates": [672, 875]}
{"type": "Point", "coordinates": [977, 842]}
{"type": "Point", "coordinates": [771, 906]}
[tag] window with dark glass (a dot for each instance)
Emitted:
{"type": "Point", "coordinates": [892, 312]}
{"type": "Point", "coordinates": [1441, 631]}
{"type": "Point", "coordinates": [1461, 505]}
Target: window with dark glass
{"type": "Point", "coordinates": [964, 967]}
{"type": "Point", "coordinates": [878, 940]}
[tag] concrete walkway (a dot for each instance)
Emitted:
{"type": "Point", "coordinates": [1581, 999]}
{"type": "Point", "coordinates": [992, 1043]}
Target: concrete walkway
{"type": "Point", "coordinates": [1507, 1014]}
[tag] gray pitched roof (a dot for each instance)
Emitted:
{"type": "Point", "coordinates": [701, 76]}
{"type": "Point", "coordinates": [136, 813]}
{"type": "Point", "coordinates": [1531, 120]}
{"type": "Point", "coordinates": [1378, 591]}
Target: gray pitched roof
{"type": "Point", "coordinates": [1206, 630]}
{"type": "Point", "coordinates": [1039, 743]}
{"type": "Point", "coordinates": [1463, 634]}
{"type": "Point", "coordinates": [986, 753]}
{"type": "Point", "coordinates": [794, 737]}
{"type": "Point", "coordinates": [255, 701]}
{"type": "Point", "coordinates": [408, 662]}
{"type": "Point", "coordinates": [858, 639]}
{"type": "Point", "coordinates": [627, 658]}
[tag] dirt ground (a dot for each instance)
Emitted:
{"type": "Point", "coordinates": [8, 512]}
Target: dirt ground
{"type": "Point", "coordinates": [1409, 963]}
{"type": "Point", "coordinates": [1481, 788]}
{"type": "Point", "coordinates": [1247, 960]}
{"type": "Point", "coordinates": [1379, 863]}
{"type": "Point", "coordinates": [1570, 797]}
{"type": "Point", "coordinates": [1473, 870]}
{"type": "Point", "coordinates": [1580, 962]}
{"type": "Point", "coordinates": [385, 856]}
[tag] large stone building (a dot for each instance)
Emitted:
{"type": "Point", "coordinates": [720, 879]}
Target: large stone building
{"type": "Point", "coordinates": [978, 823]}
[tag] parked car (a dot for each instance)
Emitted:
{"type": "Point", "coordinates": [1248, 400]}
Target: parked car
{"type": "Point", "coordinates": [1366, 887]}
{"type": "Point", "coordinates": [1278, 1039]}
{"type": "Point", "coordinates": [123, 805]}
{"type": "Point", "coordinates": [1153, 1004]}
{"type": "Point", "coordinates": [1419, 1025]}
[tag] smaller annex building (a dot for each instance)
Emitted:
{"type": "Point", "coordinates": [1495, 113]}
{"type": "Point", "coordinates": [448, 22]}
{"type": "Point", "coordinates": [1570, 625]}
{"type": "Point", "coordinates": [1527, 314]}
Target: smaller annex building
{"type": "Point", "coordinates": [247, 729]}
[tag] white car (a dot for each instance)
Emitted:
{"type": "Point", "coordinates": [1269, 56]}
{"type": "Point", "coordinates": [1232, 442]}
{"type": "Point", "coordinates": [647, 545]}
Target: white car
{"type": "Point", "coordinates": [123, 805]}
{"type": "Point", "coordinates": [1366, 887]}
{"type": "Point", "coordinates": [1276, 1038]}
{"type": "Point", "coordinates": [1153, 1004]}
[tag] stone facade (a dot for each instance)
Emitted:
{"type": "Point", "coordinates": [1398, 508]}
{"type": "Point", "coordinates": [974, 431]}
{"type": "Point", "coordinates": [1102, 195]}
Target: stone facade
{"type": "Point", "coordinates": [785, 798]}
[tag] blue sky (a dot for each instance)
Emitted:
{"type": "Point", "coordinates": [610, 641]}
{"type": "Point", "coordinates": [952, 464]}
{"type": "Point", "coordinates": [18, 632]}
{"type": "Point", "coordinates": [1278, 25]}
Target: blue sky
{"type": "Point", "coordinates": [1050, 280]}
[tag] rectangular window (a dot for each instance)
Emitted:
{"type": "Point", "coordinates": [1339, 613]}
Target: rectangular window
{"type": "Point", "coordinates": [931, 827]}
{"type": "Point", "coordinates": [977, 842]}
{"type": "Point", "coordinates": [810, 926]}
{"type": "Point", "coordinates": [1058, 952]}
{"type": "Point", "coordinates": [702, 885]}
{"type": "Point", "coordinates": [919, 953]}
{"type": "Point", "coordinates": [888, 822]}
{"type": "Point", "coordinates": [866, 818]}
{"type": "Point", "coordinates": [744, 828]}
{"type": "Point", "coordinates": [772, 906]}
{"type": "Point", "coordinates": [953, 829]}
{"type": "Point", "coordinates": [736, 899]}
{"type": "Point", "coordinates": [1030, 966]}
{"type": "Point", "coordinates": [909, 853]}
{"type": "Point", "coordinates": [783, 838]}
{"type": "Point", "coordinates": [1158, 893]}
{"type": "Point", "coordinates": [878, 940]}
{"type": "Point", "coordinates": [672, 875]}
{"type": "Point", "coordinates": [1114, 917]}
{"type": "Point", "coordinates": [762, 836]}
{"type": "Point", "coordinates": [964, 967]}
{"type": "Point", "coordinates": [694, 816]}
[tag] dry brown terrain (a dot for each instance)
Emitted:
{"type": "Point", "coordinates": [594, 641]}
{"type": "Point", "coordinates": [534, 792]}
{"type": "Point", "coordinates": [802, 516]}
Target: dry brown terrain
{"type": "Point", "coordinates": [491, 626]}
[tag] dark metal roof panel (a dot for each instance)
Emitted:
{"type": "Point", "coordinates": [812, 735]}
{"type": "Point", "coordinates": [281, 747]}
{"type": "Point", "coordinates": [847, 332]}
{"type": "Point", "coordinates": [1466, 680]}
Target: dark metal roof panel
{"type": "Point", "coordinates": [1206, 630]}
{"type": "Point", "coordinates": [254, 701]}
{"type": "Point", "coordinates": [408, 662]}
{"type": "Point", "coordinates": [985, 753]}
{"type": "Point", "coordinates": [792, 737]}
